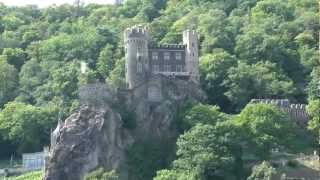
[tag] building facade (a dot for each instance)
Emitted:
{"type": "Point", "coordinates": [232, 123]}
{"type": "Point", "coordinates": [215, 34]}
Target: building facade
{"type": "Point", "coordinates": [144, 61]}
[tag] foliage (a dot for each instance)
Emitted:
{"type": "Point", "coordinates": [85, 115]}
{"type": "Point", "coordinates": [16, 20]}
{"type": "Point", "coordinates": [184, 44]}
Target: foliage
{"type": "Point", "coordinates": [265, 127]}
{"type": "Point", "coordinates": [105, 62]}
{"type": "Point", "coordinates": [147, 156]}
{"type": "Point", "coordinates": [101, 174]}
{"type": "Point", "coordinates": [245, 82]}
{"type": "Point", "coordinates": [313, 86]}
{"type": "Point", "coordinates": [213, 68]}
{"type": "Point", "coordinates": [204, 114]}
{"type": "Point", "coordinates": [263, 171]}
{"type": "Point", "coordinates": [8, 82]}
{"type": "Point", "coordinates": [38, 175]}
{"type": "Point", "coordinates": [15, 57]}
{"type": "Point", "coordinates": [26, 126]}
{"type": "Point", "coordinates": [174, 175]}
{"type": "Point", "coordinates": [313, 110]}
{"type": "Point", "coordinates": [202, 153]}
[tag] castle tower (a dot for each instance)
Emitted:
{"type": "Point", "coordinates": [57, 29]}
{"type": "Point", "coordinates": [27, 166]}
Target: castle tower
{"type": "Point", "coordinates": [136, 50]}
{"type": "Point", "coordinates": [190, 39]}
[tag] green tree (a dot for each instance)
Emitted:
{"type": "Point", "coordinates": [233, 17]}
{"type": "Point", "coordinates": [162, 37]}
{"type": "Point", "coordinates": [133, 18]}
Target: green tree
{"type": "Point", "coordinates": [175, 175]}
{"type": "Point", "coordinates": [313, 110]}
{"type": "Point", "coordinates": [106, 61]}
{"type": "Point", "coordinates": [313, 86]}
{"type": "Point", "coordinates": [26, 126]}
{"type": "Point", "coordinates": [102, 174]}
{"type": "Point", "coordinates": [213, 68]}
{"type": "Point", "coordinates": [148, 155]}
{"type": "Point", "coordinates": [8, 82]}
{"type": "Point", "coordinates": [263, 171]}
{"type": "Point", "coordinates": [31, 77]}
{"type": "Point", "coordinates": [265, 127]}
{"type": "Point", "coordinates": [117, 75]}
{"type": "Point", "coordinates": [205, 152]}
{"type": "Point", "coordinates": [204, 114]}
{"type": "Point", "coordinates": [245, 82]}
{"type": "Point", "coordinates": [15, 56]}
{"type": "Point", "coordinates": [213, 25]}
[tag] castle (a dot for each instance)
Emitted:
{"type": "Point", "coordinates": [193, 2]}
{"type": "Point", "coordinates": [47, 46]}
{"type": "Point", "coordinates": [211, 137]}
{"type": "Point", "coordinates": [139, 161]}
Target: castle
{"type": "Point", "coordinates": [146, 63]}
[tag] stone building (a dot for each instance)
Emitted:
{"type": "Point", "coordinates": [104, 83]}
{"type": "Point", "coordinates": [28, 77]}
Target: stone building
{"type": "Point", "coordinates": [146, 65]}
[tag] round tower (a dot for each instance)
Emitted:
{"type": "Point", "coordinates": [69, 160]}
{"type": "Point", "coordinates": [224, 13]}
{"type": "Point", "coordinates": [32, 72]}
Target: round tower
{"type": "Point", "coordinates": [190, 39]}
{"type": "Point", "coordinates": [136, 51]}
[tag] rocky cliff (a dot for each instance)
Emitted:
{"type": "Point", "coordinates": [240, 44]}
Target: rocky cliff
{"type": "Point", "coordinates": [99, 136]}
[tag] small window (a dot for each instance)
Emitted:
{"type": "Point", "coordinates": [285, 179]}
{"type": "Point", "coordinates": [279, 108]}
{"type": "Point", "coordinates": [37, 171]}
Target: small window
{"type": "Point", "coordinates": [179, 68]}
{"type": "Point", "coordinates": [155, 68]}
{"type": "Point", "coordinates": [154, 55]}
{"type": "Point", "coordinates": [166, 56]}
{"type": "Point", "coordinates": [139, 67]}
{"type": "Point", "coordinates": [166, 68]}
{"type": "Point", "coordinates": [178, 55]}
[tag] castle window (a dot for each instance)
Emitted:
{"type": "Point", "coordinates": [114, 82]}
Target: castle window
{"type": "Point", "coordinates": [166, 56]}
{"type": "Point", "coordinates": [166, 68]}
{"type": "Point", "coordinates": [178, 56]}
{"type": "Point", "coordinates": [179, 68]}
{"type": "Point", "coordinates": [154, 55]}
{"type": "Point", "coordinates": [139, 67]}
{"type": "Point", "coordinates": [155, 68]}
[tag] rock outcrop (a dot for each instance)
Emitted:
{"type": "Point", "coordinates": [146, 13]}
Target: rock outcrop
{"type": "Point", "coordinates": [99, 135]}
{"type": "Point", "coordinates": [89, 138]}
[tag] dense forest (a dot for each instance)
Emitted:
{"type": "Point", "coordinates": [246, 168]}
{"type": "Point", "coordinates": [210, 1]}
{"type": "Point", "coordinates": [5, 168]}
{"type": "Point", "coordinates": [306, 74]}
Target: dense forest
{"type": "Point", "coordinates": [248, 49]}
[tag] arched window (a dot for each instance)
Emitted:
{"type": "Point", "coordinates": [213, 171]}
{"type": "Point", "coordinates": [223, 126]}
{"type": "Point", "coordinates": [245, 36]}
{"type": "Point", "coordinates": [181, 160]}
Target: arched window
{"type": "Point", "coordinates": [139, 67]}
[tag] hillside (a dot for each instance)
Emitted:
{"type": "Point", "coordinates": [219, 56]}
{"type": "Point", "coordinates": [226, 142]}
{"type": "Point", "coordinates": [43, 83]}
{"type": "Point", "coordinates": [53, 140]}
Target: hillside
{"type": "Point", "coordinates": [248, 49]}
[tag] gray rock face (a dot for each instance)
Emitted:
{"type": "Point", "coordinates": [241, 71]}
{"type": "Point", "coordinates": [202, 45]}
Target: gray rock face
{"type": "Point", "coordinates": [96, 136]}
{"type": "Point", "coordinates": [89, 138]}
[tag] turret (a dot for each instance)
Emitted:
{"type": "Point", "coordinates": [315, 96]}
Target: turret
{"type": "Point", "coordinates": [190, 39]}
{"type": "Point", "coordinates": [136, 50]}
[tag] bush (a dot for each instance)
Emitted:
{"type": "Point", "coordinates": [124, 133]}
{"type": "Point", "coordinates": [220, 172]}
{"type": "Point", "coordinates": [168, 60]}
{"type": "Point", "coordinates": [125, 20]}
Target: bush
{"type": "Point", "coordinates": [102, 174]}
{"type": "Point", "coordinates": [37, 175]}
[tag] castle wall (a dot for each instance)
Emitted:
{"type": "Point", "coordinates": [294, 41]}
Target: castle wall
{"type": "Point", "coordinates": [296, 111]}
{"type": "Point", "coordinates": [94, 94]}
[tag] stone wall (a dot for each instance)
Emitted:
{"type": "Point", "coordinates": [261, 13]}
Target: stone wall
{"type": "Point", "coordinates": [95, 94]}
{"type": "Point", "coordinates": [296, 111]}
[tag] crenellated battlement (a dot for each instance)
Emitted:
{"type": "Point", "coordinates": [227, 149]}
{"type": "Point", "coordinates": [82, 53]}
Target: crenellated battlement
{"type": "Point", "coordinates": [296, 111]}
{"type": "Point", "coordinates": [136, 31]}
{"type": "Point", "coordinates": [283, 103]}
{"type": "Point", "coordinates": [168, 46]}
